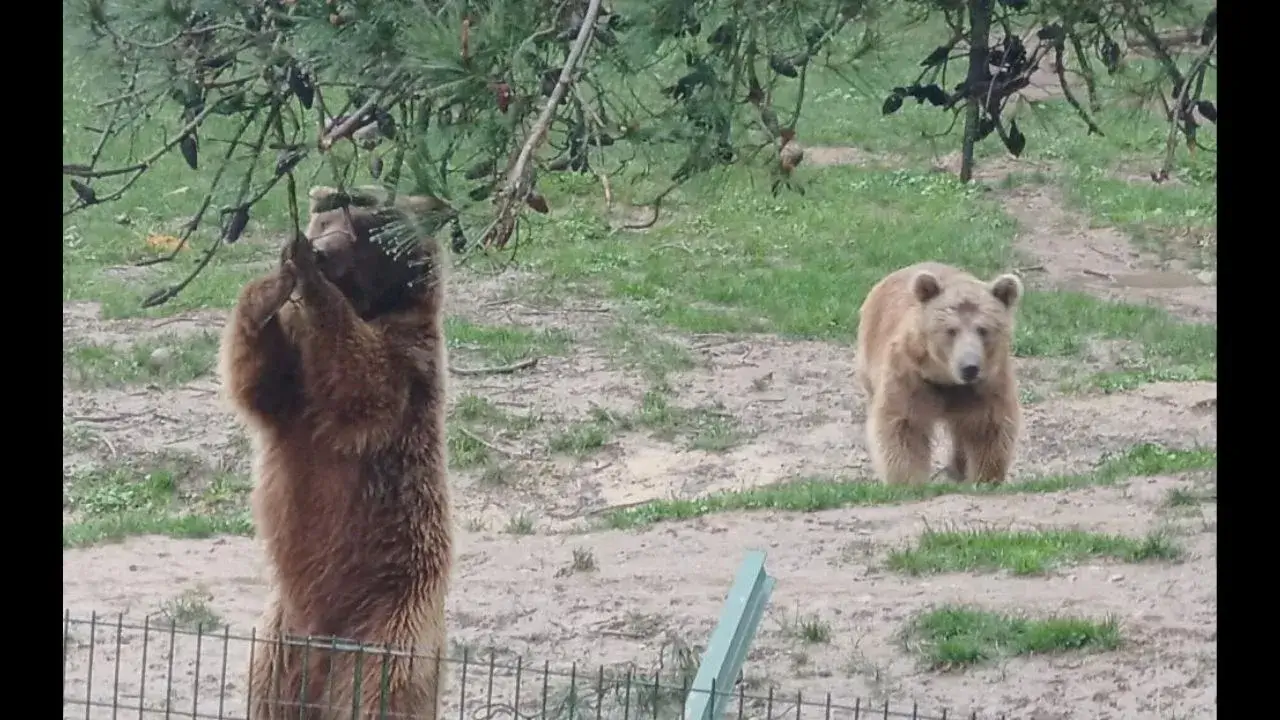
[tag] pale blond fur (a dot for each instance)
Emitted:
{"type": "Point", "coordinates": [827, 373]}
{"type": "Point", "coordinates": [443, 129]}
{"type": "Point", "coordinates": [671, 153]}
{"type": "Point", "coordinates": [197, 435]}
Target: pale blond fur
{"type": "Point", "coordinates": [935, 348]}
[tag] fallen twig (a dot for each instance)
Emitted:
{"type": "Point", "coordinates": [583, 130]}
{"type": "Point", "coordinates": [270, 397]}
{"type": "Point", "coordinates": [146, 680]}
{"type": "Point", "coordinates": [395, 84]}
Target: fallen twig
{"type": "Point", "coordinates": [486, 443]}
{"type": "Point", "coordinates": [496, 369]}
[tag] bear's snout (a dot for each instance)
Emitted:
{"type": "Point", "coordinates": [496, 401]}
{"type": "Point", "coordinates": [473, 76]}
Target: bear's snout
{"type": "Point", "coordinates": [967, 365]}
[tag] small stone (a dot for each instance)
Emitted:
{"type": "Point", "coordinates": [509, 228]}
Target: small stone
{"type": "Point", "coordinates": [161, 357]}
{"type": "Point", "coordinates": [1117, 578]}
{"type": "Point", "coordinates": [1208, 277]}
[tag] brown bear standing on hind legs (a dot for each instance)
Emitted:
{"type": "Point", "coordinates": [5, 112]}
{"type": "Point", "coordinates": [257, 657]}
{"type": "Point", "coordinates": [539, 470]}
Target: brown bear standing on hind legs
{"type": "Point", "coordinates": [335, 361]}
{"type": "Point", "coordinates": [935, 345]}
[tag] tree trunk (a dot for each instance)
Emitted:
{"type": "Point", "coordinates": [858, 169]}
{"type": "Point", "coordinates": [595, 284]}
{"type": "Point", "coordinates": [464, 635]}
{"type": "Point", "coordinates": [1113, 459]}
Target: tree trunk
{"type": "Point", "coordinates": [979, 71]}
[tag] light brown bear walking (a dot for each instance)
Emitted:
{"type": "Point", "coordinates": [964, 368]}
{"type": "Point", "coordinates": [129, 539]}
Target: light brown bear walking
{"type": "Point", "coordinates": [335, 361]}
{"type": "Point", "coordinates": [935, 346]}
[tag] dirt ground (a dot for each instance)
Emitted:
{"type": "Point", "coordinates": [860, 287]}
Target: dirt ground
{"type": "Point", "coordinates": [663, 586]}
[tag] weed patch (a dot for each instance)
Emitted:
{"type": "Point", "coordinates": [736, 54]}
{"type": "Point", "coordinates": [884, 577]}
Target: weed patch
{"type": "Point", "coordinates": [1023, 553]}
{"type": "Point", "coordinates": [953, 637]}
{"type": "Point", "coordinates": [191, 611]}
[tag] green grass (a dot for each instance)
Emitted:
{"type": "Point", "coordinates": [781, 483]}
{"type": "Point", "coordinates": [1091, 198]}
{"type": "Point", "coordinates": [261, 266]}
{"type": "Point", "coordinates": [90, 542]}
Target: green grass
{"type": "Point", "coordinates": [811, 495]}
{"type": "Point", "coordinates": [505, 344]}
{"type": "Point", "coordinates": [114, 502]}
{"type": "Point", "coordinates": [1023, 552]}
{"type": "Point", "coordinates": [166, 361]}
{"type": "Point", "coordinates": [117, 527]}
{"type": "Point", "coordinates": [953, 637]}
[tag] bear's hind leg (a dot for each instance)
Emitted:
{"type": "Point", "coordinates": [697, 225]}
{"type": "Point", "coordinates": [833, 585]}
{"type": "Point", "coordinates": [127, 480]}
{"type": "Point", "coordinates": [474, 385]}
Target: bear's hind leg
{"type": "Point", "coordinates": [899, 448]}
{"type": "Point", "coordinates": [267, 665]}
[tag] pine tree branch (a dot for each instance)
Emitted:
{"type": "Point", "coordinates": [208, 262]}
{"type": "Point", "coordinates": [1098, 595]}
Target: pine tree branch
{"type": "Point", "coordinates": [519, 177]}
{"type": "Point", "coordinates": [1178, 117]}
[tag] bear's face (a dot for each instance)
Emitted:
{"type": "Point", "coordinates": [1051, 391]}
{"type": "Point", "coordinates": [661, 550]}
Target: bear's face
{"type": "Point", "coordinates": [371, 274]}
{"type": "Point", "coordinates": [967, 325]}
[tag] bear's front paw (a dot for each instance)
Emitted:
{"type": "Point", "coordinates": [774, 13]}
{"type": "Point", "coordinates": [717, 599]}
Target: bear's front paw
{"type": "Point", "coordinates": [301, 256]}
{"type": "Point", "coordinates": [264, 297]}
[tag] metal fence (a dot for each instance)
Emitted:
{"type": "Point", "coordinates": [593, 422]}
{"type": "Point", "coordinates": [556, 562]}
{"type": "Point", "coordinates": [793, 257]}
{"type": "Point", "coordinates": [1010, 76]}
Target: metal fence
{"type": "Point", "coordinates": [159, 669]}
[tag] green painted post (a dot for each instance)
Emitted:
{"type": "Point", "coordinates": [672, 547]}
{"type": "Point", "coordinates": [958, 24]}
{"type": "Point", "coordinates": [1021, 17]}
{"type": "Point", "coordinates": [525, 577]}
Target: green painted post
{"type": "Point", "coordinates": [730, 641]}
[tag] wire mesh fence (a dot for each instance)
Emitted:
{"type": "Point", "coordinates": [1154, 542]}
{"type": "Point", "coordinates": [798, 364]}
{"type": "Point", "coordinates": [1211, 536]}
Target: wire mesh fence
{"type": "Point", "coordinates": [159, 669]}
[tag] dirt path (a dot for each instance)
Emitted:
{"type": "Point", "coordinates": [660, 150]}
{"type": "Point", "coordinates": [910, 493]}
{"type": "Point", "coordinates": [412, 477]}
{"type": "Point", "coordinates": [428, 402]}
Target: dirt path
{"type": "Point", "coordinates": [827, 563]}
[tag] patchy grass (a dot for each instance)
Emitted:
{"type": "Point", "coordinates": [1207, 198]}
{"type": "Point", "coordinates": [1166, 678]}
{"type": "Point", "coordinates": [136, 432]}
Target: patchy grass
{"type": "Point", "coordinates": [475, 425]}
{"type": "Point", "coordinates": [470, 408]}
{"type": "Point", "coordinates": [1023, 552]}
{"type": "Point", "coordinates": [505, 344]}
{"type": "Point", "coordinates": [167, 361]}
{"type": "Point", "coordinates": [581, 439]}
{"type": "Point", "coordinates": [811, 495]}
{"type": "Point", "coordinates": [1113, 381]}
{"type": "Point", "coordinates": [656, 357]}
{"type": "Point", "coordinates": [703, 428]}
{"type": "Point", "coordinates": [1189, 497]}
{"type": "Point", "coordinates": [114, 502]}
{"type": "Point", "coordinates": [953, 637]}
{"type": "Point", "coordinates": [120, 489]}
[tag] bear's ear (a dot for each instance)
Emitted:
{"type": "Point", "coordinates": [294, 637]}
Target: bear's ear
{"type": "Point", "coordinates": [317, 197]}
{"type": "Point", "coordinates": [1008, 289]}
{"type": "Point", "coordinates": [925, 286]}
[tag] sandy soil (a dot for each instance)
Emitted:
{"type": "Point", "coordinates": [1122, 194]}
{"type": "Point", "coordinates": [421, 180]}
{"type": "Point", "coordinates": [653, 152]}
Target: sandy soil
{"type": "Point", "coordinates": [662, 587]}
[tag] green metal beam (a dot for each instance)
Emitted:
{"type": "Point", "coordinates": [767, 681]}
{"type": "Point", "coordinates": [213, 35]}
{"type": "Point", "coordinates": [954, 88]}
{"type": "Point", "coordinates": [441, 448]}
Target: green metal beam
{"type": "Point", "coordinates": [730, 641]}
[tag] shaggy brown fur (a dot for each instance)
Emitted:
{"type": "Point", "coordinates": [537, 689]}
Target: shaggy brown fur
{"type": "Point", "coordinates": [336, 363]}
{"type": "Point", "coordinates": [935, 345]}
